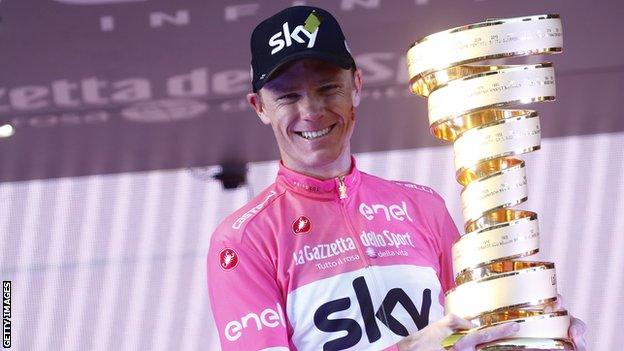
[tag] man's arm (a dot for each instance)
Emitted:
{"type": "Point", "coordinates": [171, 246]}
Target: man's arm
{"type": "Point", "coordinates": [246, 303]}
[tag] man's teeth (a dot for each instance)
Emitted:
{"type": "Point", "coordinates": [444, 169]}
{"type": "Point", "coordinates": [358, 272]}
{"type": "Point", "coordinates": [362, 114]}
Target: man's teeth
{"type": "Point", "coordinates": [316, 134]}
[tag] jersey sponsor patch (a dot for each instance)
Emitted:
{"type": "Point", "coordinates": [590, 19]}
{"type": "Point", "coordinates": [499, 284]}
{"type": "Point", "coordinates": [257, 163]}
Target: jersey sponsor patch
{"type": "Point", "coordinates": [360, 310]}
{"type": "Point", "coordinates": [327, 255]}
{"type": "Point", "coordinates": [386, 239]}
{"type": "Point", "coordinates": [228, 259]}
{"type": "Point", "coordinates": [301, 225]}
{"type": "Point", "coordinates": [255, 321]}
{"type": "Point", "coordinates": [389, 212]}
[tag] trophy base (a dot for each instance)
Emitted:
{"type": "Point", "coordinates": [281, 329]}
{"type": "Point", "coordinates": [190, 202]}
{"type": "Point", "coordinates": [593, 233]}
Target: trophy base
{"type": "Point", "coordinates": [527, 344]}
{"type": "Point", "coordinates": [537, 331]}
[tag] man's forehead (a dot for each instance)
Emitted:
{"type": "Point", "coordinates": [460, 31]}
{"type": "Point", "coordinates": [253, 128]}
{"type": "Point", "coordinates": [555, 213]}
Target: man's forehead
{"type": "Point", "coordinates": [307, 70]}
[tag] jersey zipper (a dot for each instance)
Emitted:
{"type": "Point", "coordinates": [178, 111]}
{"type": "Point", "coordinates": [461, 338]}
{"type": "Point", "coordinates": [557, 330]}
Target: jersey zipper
{"type": "Point", "coordinates": [342, 188]}
{"type": "Point", "coordinates": [343, 196]}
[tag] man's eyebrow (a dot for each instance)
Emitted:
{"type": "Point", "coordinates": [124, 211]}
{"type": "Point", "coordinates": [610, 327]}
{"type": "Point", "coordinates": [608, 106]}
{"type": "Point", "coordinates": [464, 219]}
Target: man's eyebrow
{"type": "Point", "coordinates": [279, 86]}
{"type": "Point", "coordinates": [331, 80]}
{"type": "Point", "coordinates": [283, 85]}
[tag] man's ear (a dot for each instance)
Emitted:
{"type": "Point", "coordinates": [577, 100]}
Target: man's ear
{"type": "Point", "coordinates": [357, 88]}
{"type": "Point", "coordinates": [255, 101]}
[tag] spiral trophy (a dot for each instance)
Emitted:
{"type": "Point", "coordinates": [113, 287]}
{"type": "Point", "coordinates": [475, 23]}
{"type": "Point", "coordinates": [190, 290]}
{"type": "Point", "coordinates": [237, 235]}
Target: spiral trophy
{"type": "Point", "coordinates": [470, 105]}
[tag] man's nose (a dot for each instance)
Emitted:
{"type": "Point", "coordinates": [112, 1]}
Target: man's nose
{"type": "Point", "coordinates": [311, 107]}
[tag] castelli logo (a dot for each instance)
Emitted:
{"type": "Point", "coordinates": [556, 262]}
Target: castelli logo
{"type": "Point", "coordinates": [228, 259]}
{"type": "Point", "coordinates": [301, 225]}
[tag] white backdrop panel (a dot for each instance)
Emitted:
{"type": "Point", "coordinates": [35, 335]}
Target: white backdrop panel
{"type": "Point", "coordinates": [117, 262]}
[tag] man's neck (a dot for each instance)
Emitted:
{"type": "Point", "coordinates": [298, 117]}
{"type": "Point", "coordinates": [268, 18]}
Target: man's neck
{"type": "Point", "coordinates": [335, 169]}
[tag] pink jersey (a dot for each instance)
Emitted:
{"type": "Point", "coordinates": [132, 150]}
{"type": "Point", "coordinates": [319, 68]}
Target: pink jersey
{"type": "Point", "coordinates": [352, 263]}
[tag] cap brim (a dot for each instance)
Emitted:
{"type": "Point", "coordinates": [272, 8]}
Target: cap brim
{"type": "Point", "coordinates": [342, 62]}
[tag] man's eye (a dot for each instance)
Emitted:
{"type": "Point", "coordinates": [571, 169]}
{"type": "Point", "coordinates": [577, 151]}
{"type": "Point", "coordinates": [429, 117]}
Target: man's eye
{"type": "Point", "coordinates": [329, 88]}
{"type": "Point", "coordinates": [290, 96]}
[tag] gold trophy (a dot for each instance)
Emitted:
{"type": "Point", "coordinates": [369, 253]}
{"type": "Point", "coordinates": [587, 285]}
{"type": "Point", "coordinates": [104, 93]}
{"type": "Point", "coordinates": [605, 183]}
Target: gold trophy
{"type": "Point", "coordinates": [470, 105]}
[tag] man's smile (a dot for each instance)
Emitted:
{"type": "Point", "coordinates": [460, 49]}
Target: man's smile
{"type": "Point", "coordinates": [315, 134]}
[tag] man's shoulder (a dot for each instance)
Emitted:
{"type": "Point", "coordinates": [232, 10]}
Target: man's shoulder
{"type": "Point", "coordinates": [409, 188]}
{"type": "Point", "coordinates": [234, 224]}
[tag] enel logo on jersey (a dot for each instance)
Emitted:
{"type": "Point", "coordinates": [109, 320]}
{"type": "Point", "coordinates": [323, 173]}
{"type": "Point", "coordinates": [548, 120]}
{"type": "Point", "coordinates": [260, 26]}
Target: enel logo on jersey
{"type": "Point", "coordinates": [270, 318]}
{"type": "Point", "coordinates": [392, 212]}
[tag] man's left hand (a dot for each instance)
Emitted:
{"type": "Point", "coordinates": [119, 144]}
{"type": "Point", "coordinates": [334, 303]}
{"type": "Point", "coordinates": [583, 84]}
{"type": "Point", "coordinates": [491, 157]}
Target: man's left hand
{"type": "Point", "coordinates": [577, 328]}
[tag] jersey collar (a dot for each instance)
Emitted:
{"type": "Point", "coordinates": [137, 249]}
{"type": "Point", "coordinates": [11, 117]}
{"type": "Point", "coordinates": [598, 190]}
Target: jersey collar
{"type": "Point", "coordinates": [319, 188]}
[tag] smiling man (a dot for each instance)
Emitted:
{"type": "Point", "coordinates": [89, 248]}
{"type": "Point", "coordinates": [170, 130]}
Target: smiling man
{"type": "Point", "coordinates": [329, 257]}
{"type": "Point", "coordinates": [310, 106]}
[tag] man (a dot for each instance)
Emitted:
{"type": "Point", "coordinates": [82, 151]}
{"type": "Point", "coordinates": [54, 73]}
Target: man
{"type": "Point", "coordinates": [328, 257]}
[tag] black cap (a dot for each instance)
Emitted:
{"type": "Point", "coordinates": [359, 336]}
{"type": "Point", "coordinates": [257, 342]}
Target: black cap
{"type": "Point", "coordinates": [295, 33]}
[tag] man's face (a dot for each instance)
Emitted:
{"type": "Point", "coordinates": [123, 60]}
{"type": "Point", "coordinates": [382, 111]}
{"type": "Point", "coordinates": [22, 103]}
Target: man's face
{"type": "Point", "coordinates": [310, 106]}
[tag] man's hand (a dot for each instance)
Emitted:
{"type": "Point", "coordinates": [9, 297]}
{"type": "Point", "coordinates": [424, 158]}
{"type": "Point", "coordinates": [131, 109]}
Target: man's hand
{"type": "Point", "coordinates": [577, 328]}
{"type": "Point", "coordinates": [430, 338]}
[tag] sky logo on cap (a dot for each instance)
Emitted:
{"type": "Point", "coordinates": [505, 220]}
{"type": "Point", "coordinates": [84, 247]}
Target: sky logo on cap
{"type": "Point", "coordinates": [277, 43]}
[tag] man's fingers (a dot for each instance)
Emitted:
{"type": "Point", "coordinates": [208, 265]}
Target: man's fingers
{"type": "Point", "coordinates": [577, 333]}
{"type": "Point", "coordinates": [455, 322]}
{"type": "Point", "coordinates": [581, 345]}
{"type": "Point", "coordinates": [577, 327]}
{"type": "Point", "coordinates": [555, 305]}
{"type": "Point", "coordinates": [469, 341]}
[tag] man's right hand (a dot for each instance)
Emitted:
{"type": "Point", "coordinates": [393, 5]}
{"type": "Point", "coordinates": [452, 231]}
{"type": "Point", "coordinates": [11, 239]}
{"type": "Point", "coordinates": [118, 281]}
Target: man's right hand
{"type": "Point", "coordinates": [430, 338]}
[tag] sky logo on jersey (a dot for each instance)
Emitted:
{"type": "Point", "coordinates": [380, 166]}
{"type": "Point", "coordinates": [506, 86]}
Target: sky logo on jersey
{"type": "Point", "coordinates": [270, 318]}
{"type": "Point", "coordinates": [228, 259]}
{"type": "Point", "coordinates": [371, 315]}
{"type": "Point", "coordinates": [390, 213]}
{"type": "Point", "coordinates": [370, 308]}
{"type": "Point", "coordinates": [301, 225]}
